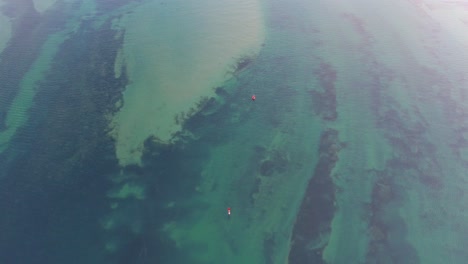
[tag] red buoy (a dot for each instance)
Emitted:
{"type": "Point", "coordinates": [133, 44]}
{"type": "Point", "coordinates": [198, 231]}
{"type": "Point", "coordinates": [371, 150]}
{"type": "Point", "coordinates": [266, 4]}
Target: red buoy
{"type": "Point", "coordinates": [229, 210]}
{"type": "Point", "coordinates": [253, 97]}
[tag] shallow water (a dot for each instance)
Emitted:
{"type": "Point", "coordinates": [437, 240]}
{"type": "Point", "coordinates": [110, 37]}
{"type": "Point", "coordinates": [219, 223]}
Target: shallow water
{"type": "Point", "coordinates": [354, 151]}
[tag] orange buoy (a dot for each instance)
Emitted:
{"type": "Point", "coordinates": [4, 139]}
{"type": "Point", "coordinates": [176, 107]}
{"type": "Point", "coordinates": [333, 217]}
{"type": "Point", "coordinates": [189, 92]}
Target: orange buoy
{"type": "Point", "coordinates": [253, 97]}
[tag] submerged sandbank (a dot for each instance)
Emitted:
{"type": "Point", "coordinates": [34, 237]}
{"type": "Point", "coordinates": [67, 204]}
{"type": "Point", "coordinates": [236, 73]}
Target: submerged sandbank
{"type": "Point", "coordinates": [175, 53]}
{"type": "Point", "coordinates": [452, 16]}
{"type": "Point", "coordinates": [43, 5]}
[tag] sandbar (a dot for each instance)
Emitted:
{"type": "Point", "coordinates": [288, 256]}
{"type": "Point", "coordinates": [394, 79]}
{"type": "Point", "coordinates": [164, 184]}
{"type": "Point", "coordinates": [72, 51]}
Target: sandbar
{"type": "Point", "coordinates": [176, 53]}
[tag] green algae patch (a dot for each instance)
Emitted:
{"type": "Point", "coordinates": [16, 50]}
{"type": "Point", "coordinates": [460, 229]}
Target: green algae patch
{"type": "Point", "coordinates": [128, 190]}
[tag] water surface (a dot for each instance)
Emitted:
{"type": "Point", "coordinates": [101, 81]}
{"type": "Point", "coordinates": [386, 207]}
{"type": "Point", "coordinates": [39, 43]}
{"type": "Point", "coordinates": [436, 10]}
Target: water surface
{"type": "Point", "coordinates": [127, 129]}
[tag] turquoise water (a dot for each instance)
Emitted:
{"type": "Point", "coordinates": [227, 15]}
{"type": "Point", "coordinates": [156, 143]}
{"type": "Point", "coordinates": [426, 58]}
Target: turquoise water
{"type": "Point", "coordinates": [353, 152]}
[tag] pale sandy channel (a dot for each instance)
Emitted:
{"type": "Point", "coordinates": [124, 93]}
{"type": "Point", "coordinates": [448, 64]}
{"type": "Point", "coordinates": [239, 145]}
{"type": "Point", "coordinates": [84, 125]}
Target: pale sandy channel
{"type": "Point", "coordinates": [18, 112]}
{"type": "Point", "coordinates": [5, 29]}
{"type": "Point", "coordinates": [405, 37]}
{"type": "Point", "coordinates": [18, 115]}
{"type": "Point", "coordinates": [175, 53]}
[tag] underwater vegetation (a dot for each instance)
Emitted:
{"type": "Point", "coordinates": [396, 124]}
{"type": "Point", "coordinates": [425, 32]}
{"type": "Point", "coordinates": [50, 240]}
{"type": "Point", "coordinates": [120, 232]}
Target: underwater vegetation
{"type": "Point", "coordinates": [241, 64]}
{"type": "Point", "coordinates": [62, 153]}
{"type": "Point", "coordinates": [313, 224]}
{"type": "Point", "coordinates": [324, 99]}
